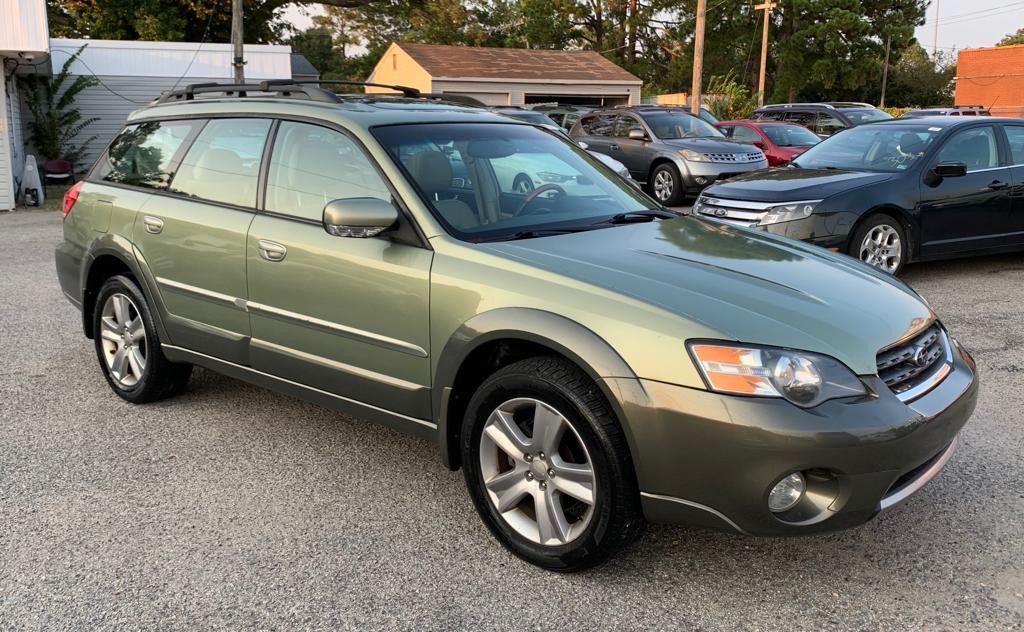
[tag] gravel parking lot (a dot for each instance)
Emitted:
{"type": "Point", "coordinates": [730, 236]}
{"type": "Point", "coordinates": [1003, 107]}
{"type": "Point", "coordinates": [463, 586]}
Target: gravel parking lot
{"type": "Point", "coordinates": [234, 507]}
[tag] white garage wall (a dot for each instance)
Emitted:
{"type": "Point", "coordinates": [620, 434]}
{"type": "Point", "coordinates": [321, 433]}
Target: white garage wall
{"type": "Point", "coordinates": [518, 90]}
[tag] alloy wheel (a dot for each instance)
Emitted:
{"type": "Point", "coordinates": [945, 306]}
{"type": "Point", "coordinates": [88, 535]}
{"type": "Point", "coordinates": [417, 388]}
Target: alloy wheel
{"type": "Point", "coordinates": [123, 338]}
{"type": "Point", "coordinates": [663, 185]}
{"type": "Point", "coordinates": [882, 248]}
{"type": "Point", "coordinates": [537, 472]}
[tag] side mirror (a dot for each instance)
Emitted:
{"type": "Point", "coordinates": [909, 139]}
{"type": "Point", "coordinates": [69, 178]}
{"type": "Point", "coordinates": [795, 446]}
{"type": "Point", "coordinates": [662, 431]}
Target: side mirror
{"type": "Point", "coordinates": [944, 170]}
{"type": "Point", "coordinates": [637, 134]}
{"type": "Point", "coordinates": [359, 217]}
{"type": "Point", "coordinates": [760, 144]}
{"type": "Point", "coordinates": [583, 145]}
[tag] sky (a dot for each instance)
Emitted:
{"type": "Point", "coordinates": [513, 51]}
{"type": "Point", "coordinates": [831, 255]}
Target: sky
{"type": "Point", "coordinates": [962, 23]}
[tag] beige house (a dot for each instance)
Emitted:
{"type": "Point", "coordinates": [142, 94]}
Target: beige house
{"type": "Point", "coordinates": [508, 76]}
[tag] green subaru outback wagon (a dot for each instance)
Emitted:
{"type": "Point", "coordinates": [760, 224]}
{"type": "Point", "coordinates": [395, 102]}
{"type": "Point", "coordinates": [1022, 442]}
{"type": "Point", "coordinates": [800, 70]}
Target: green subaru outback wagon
{"type": "Point", "coordinates": [590, 360]}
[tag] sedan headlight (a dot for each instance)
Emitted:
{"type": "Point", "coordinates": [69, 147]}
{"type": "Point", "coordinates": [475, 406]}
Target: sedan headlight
{"type": "Point", "coordinates": [788, 212]}
{"type": "Point", "coordinates": [693, 156]}
{"type": "Point", "coordinates": [803, 378]}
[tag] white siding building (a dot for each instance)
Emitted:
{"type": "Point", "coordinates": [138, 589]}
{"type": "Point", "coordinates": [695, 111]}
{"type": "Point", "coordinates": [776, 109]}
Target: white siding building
{"type": "Point", "coordinates": [23, 42]}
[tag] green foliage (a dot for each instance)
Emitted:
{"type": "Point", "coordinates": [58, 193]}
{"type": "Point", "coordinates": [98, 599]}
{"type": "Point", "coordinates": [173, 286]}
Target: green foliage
{"type": "Point", "coordinates": [918, 80]}
{"type": "Point", "coordinates": [54, 122]}
{"type": "Point", "coordinates": [1013, 38]}
{"type": "Point", "coordinates": [728, 99]}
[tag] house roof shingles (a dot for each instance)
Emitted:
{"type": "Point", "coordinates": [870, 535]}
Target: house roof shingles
{"type": "Point", "coordinates": [458, 62]}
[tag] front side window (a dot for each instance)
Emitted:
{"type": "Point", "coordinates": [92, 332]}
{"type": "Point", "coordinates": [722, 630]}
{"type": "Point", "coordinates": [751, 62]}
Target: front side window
{"type": "Point", "coordinates": [223, 163]}
{"type": "Point", "coordinates": [802, 118]}
{"type": "Point", "coordinates": [790, 135]}
{"type": "Point", "coordinates": [517, 178]}
{"type": "Point", "coordinates": [871, 148]}
{"type": "Point", "coordinates": [975, 147]}
{"type": "Point", "coordinates": [625, 123]}
{"type": "Point", "coordinates": [143, 155]}
{"type": "Point", "coordinates": [1015, 136]}
{"type": "Point", "coordinates": [672, 125]}
{"type": "Point", "coordinates": [312, 165]}
{"type": "Point", "coordinates": [828, 124]}
{"type": "Point", "coordinates": [745, 134]}
{"type": "Point", "coordinates": [872, 115]}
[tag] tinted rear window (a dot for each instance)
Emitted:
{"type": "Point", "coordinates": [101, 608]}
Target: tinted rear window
{"type": "Point", "coordinates": [144, 154]}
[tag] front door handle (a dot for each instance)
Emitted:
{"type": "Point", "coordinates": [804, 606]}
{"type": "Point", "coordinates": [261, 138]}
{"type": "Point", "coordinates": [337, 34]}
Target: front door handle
{"type": "Point", "coordinates": [614, 147]}
{"type": "Point", "coordinates": [153, 224]}
{"type": "Point", "coordinates": [271, 250]}
{"type": "Point", "coordinates": [998, 186]}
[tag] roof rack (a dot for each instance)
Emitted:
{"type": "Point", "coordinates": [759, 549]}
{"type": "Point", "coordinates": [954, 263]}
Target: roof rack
{"type": "Point", "coordinates": [782, 106]}
{"type": "Point", "coordinates": [849, 104]}
{"type": "Point", "coordinates": [282, 87]}
{"type": "Point", "coordinates": [285, 89]}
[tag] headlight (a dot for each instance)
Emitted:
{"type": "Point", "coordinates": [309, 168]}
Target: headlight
{"type": "Point", "coordinates": [805, 379]}
{"type": "Point", "coordinates": [693, 156]}
{"type": "Point", "coordinates": [788, 212]}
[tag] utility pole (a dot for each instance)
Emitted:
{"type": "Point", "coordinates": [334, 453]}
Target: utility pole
{"type": "Point", "coordinates": [885, 69]}
{"type": "Point", "coordinates": [237, 61]}
{"type": "Point", "coordinates": [935, 31]}
{"type": "Point", "coordinates": [698, 57]}
{"type": "Point", "coordinates": [631, 30]}
{"type": "Point", "coordinates": [767, 8]}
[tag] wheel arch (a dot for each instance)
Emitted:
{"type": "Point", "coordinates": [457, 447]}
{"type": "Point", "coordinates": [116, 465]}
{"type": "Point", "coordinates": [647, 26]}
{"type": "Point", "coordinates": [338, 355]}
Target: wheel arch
{"type": "Point", "coordinates": [896, 213]}
{"type": "Point", "coordinates": [112, 257]}
{"type": "Point", "coordinates": [499, 337]}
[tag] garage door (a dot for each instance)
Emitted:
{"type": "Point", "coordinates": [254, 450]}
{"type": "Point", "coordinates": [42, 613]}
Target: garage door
{"type": "Point", "coordinates": [487, 98]}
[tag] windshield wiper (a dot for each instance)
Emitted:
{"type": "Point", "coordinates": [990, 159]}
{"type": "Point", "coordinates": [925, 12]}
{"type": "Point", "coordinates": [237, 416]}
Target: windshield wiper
{"type": "Point", "coordinates": [538, 232]}
{"type": "Point", "coordinates": [638, 216]}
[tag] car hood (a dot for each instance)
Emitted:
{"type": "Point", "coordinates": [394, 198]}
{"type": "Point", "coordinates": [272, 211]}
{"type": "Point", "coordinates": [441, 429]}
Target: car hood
{"type": "Point", "coordinates": [744, 285]}
{"type": "Point", "coordinates": [711, 145]}
{"type": "Point", "coordinates": [787, 184]}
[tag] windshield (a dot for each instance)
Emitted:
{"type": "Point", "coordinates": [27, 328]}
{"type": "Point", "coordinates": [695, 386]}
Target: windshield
{"type": "Point", "coordinates": [790, 135]}
{"type": "Point", "coordinates": [871, 148]}
{"type": "Point", "coordinates": [669, 125]}
{"type": "Point", "coordinates": [859, 117]}
{"type": "Point", "coordinates": [488, 181]}
{"type": "Point", "coordinates": [536, 118]}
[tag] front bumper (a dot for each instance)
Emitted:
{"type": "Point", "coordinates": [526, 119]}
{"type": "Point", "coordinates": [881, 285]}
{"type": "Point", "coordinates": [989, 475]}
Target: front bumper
{"type": "Point", "coordinates": [709, 459]}
{"type": "Point", "coordinates": [698, 175]}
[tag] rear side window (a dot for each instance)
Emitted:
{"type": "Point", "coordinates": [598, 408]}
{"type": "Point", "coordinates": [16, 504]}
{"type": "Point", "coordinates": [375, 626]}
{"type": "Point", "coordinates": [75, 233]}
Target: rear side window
{"type": "Point", "coordinates": [223, 163]}
{"type": "Point", "coordinates": [144, 155]}
{"type": "Point", "coordinates": [598, 125]}
{"type": "Point", "coordinates": [770, 115]}
{"type": "Point", "coordinates": [801, 118]}
{"type": "Point", "coordinates": [312, 165]}
{"type": "Point", "coordinates": [1015, 135]}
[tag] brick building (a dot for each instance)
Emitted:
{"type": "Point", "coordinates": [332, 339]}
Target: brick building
{"type": "Point", "coordinates": [992, 77]}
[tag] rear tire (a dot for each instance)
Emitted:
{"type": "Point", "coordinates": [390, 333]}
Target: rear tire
{"type": "Point", "coordinates": [128, 345]}
{"type": "Point", "coordinates": [545, 517]}
{"type": "Point", "coordinates": [666, 185]}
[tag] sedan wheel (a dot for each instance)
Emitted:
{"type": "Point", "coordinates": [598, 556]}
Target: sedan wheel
{"type": "Point", "coordinates": [542, 485]}
{"type": "Point", "coordinates": [882, 248]}
{"type": "Point", "coordinates": [123, 337]}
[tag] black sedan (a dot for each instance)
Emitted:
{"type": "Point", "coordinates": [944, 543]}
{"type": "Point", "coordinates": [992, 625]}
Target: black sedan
{"type": "Point", "coordinates": [891, 192]}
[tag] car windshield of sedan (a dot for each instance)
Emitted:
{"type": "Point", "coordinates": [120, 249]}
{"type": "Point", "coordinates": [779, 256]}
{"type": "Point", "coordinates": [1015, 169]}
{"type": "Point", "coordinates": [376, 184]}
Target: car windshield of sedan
{"type": "Point", "coordinates": [870, 148]}
{"type": "Point", "coordinates": [673, 125]}
{"type": "Point", "coordinates": [790, 135]}
{"type": "Point", "coordinates": [493, 181]}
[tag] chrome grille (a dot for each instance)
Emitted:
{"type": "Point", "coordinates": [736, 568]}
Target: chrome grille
{"type": "Point", "coordinates": [735, 211]}
{"type": "Point", "coordinates": [743, 157]}
{"type": "Point", "coordinates": [911, 363]}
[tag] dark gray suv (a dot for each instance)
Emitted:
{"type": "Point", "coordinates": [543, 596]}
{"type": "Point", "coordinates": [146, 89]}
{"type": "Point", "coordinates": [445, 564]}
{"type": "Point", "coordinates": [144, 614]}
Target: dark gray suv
{"type": "Point", "coordinates": [668, 149]}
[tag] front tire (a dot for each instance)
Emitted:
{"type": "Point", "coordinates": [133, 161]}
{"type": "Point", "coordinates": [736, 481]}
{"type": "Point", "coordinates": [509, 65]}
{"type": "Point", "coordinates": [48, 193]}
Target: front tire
{"type": "Point", "coordinates": [128, 346]}
{"type": "Point", "coordinates": [882, 243]}
{"type": "Point", "coordinates": [666, 184]}
{"type": "Point", "coordinates": [547, 466]}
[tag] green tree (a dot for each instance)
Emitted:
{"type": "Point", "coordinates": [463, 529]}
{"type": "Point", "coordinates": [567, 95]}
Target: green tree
{"type": "Point", "coordinates": [1013, 38]}
{"type": "Point", "coordinates": [54, 122]}
{"type": "Point", "coordinates": [918, 80]}
{"type": "Point", "coordinates": [175, 20]}
{"type": "Point", "coordinates": [317, 45]}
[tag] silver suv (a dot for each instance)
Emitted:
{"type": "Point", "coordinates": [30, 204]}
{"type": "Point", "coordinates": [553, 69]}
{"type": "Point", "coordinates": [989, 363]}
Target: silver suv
{"type": "Point", "coordinates": [668, 149]}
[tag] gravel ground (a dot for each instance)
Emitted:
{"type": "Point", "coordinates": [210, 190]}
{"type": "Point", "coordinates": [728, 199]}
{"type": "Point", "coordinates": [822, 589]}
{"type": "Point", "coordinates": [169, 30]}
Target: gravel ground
{"type": "Point", "coordinates": [233, 507]}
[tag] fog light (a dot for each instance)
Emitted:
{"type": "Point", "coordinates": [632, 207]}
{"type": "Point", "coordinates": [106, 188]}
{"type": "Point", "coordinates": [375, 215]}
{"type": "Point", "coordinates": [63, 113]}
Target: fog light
{"type": "Point", "coordinates": [787, 493]}
{"type": "Point", "coordinates": [702, 180]}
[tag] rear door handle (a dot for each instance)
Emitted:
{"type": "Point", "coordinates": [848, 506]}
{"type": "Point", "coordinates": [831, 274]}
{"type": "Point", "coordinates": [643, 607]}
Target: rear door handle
{"type": "Point", "coordinates": [271, 250]}
{"type": "Point", "coordinates": [998, 186]}
{"type": "Point", "coordinates": [153, 224]}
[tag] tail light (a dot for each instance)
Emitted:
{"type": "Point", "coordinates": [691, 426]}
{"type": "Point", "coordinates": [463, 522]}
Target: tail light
{"type": "Point", "coordinates": [70, 198]}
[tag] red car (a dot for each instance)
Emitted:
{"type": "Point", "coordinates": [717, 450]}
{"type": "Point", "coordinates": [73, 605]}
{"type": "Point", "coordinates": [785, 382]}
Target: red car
{"type": "Point", "coordinates": [781, 142]}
